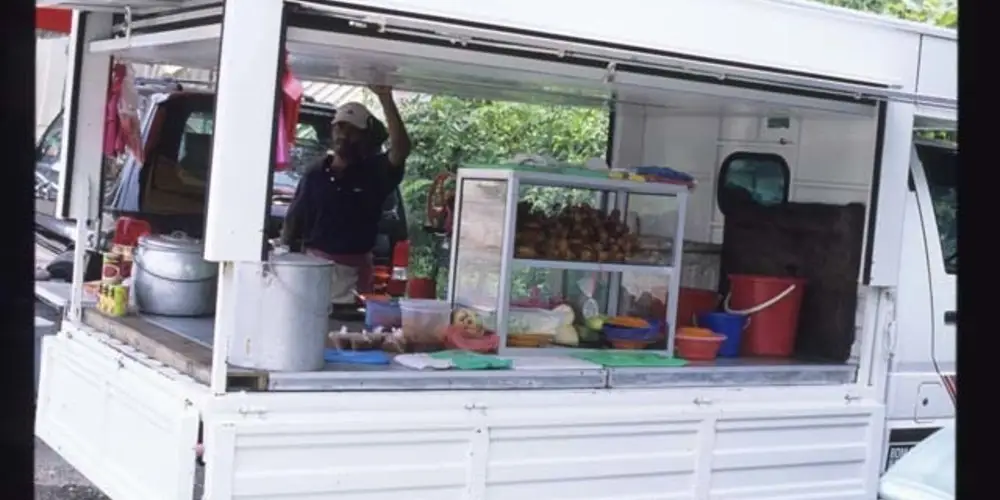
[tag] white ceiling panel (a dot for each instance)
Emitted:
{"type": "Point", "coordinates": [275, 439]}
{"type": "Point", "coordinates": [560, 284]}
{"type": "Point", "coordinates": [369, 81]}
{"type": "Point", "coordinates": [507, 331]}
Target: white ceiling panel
{"type": "Point", "coordinates": [353, 59]}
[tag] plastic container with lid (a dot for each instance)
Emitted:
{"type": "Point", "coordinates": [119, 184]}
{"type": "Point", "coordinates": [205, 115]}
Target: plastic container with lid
{"type": "Point", "coordinates": [383, 313]}
{"type": "Point", "coordinates": [523, 320]}
{"type": "Point", "coordinates": [425, 322]}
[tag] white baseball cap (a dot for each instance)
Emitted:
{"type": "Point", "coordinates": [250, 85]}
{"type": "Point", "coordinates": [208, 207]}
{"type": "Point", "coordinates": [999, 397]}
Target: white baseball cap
{"type": "Point", "coordinates": [353, 113]}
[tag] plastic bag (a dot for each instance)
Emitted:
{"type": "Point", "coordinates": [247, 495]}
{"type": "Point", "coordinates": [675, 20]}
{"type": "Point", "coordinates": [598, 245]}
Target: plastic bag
{"type": "Point", "coordinates": [127, 109]}
{"type": "Point", "coordinates": [288, 114]}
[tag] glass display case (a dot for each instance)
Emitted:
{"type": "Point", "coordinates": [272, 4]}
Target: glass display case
{"type": "Point", "coordinates": [544, 259]}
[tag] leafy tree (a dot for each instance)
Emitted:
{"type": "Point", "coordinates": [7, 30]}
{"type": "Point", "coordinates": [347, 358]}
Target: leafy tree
{"type": "Point", "coordinates": [943, 13]}
{"type": "Point", "coordinates": [450, 131]}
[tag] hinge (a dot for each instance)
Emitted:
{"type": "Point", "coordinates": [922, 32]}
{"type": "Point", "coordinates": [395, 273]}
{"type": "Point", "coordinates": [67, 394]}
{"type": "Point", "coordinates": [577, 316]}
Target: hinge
{"type": "Point", "coordinates": [889, 333]}
{"type": "Point", "coordinates": [890, 326]}
{"type": "Point", "coordinates": [610, 72]}
{"type": "Point", "coordinates": [890, 339]}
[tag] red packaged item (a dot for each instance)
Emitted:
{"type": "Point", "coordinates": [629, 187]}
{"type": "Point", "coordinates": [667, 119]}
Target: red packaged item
{"type": "Point", "coordinates": [128, 230]}
{"type": "Point", "coordinates": [458, 337]}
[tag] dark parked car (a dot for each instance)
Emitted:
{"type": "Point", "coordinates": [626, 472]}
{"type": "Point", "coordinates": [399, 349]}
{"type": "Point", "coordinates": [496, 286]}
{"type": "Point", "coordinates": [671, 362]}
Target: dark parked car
{"type": "Point", "coordinates": [169, 190]}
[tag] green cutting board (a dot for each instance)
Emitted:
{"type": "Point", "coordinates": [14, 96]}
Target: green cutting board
{"type": "Point", "coordinates": [620, 359]}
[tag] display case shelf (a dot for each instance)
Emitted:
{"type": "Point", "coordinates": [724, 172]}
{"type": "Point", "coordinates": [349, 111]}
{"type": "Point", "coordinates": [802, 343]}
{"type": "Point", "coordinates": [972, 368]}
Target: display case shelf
{"type": "Point", "coordinates": [526, 176]}
{"type": "Point", "coordinates": [596, 267]}
{"type": "Point", "coordinates": [483, 262]}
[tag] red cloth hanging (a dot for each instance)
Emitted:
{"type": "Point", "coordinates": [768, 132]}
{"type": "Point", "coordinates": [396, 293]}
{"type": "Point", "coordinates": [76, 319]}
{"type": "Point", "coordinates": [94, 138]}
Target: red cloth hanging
{"type": "Point", "coordinates": [113, 143]}
{"type": "Point", "coordinates": [121, 116]}
{"type": "Point", "coordinates": [288, 113]}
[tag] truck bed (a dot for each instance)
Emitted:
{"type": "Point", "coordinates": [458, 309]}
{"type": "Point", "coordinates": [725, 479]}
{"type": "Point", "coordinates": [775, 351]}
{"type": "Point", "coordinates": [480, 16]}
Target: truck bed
{"type": "Point", "coordinates": [185, 345]}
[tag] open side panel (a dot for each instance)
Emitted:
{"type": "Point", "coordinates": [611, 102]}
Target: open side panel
{"type": "Point", "coordinates": [81, 157]}
{"type": "Point", "coordinates": [543, 444]}
{"type": "Point", "coordinates": [125, 423]}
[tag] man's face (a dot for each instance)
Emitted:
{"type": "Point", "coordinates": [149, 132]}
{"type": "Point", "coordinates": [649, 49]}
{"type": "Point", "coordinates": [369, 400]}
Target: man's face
{"type": "Point", "coordinates": [347, 139]}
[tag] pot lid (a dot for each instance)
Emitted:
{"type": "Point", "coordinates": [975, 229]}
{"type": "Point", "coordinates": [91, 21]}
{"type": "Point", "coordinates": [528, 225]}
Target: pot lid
{"type": "Point", "coordinates": [297, 260]}
{"type": "Point", "coordinates": [176, 242]}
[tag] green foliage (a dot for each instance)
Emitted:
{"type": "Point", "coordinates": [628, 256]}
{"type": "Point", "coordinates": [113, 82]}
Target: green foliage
{"type": "Point", "coordinates": [943, 13]}
{"type": "Point", "coordinates": [450, 131]}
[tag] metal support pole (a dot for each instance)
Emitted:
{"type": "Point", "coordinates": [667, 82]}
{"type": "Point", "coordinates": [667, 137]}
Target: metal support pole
{"type": "Point", "coordinates": [243, 152]}
{"type": "Point", "coordinates": [506, 258]}
{"type": "Point", "coordinates": [243, 146]}
{"type": "Point", "coordinates": [675, 270]}
{"type": "Point", "coordinates": [82, 158]}
{"type": "Point", "coordinates": [892, 157]}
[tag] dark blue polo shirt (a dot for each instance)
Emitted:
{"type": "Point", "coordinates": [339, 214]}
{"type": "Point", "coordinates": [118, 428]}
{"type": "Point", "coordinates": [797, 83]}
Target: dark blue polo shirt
{"type": "Point", "coordinates": [340, 214]}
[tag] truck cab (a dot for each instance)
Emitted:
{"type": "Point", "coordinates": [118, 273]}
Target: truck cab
{"type": "Point", "coordinates": [922, 366]}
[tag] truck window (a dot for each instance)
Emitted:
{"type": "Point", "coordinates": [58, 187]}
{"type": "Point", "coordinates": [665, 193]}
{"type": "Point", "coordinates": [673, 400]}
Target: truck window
{"type": "Point", "coordinates": [312, 139]}
{"type": "Point", "coordinates": [51, 144]}
{"type": "Point", "coordinates": [941, 169]}
{"type": "Point", "coordinates": [183, 153]}
{"type": "Point", "coordinates": [762, 178]}
{"type": "Point", "coordinates": [194, 153]}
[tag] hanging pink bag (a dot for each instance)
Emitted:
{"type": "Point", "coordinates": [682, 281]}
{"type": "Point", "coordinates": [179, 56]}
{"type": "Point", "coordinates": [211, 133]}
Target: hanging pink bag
{"type": "Point", "coordinates": [112, 128]}
{"type": "Point", "coordinates": [281, 150]}
{"type": "Point", "coordinates": [288, 114]}
{"type": "Point", "coordinates": [121, 115]}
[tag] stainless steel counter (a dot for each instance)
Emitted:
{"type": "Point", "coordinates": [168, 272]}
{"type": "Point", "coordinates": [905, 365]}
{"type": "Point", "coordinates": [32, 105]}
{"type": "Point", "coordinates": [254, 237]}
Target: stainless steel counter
{"type": "Point", "coordinates": [397, 378]}
{"type": "Point", "coordinates": [740, 372]}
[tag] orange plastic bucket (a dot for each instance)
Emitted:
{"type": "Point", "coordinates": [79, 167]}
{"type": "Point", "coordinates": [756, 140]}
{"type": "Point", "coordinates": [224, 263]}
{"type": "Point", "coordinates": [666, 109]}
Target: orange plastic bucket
{"type": "Point", "coordinates": [773, 305]}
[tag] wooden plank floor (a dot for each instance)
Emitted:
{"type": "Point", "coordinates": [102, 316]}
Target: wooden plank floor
{"type": "Point", "coordinates": [171, 349]}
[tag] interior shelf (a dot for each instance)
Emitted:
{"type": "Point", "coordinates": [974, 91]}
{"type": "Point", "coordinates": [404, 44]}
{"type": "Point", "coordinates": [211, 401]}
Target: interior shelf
{"type": "Point", "coordinates": [597, 267]}
{"type": "Point", "coordinates": [532, 176]}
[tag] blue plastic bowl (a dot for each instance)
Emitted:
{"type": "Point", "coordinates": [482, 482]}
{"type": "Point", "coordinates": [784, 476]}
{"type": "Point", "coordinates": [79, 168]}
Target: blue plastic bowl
{"type": "Point", "coordinates": [622, 333]}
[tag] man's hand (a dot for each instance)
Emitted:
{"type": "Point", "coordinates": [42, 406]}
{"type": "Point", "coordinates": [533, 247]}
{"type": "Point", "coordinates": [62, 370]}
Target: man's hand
{"type": "Point", "coordinates": [381, 90]}
{"type": "Point", "coordinates": [399, 140]}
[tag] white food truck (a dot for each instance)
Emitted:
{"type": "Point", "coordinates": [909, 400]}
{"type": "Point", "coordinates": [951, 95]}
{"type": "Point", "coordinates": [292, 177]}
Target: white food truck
{"type": "Point", "coordinates": [823, 103]}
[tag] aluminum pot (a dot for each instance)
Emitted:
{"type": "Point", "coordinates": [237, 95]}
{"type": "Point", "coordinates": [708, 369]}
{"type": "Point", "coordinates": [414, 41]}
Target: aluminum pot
{"type": "Point", "coordinates": [171, 278]}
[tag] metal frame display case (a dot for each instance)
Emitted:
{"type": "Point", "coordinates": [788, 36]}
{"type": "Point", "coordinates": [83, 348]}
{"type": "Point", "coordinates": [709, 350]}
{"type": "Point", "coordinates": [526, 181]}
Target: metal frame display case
{"type": "Point", "coordinates": [483, 260]}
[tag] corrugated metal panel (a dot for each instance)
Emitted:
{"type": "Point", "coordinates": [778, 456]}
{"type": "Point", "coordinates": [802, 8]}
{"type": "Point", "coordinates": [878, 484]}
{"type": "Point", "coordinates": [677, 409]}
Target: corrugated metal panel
{"type": "Point", "coordinates": [651, 444]}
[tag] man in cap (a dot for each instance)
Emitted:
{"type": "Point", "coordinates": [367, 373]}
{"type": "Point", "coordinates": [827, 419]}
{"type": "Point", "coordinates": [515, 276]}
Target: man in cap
{"type": "Point", "coordinates": [338, 203]}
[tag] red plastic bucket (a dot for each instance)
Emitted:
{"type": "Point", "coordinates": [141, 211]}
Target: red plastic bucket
{"type": "Point", "coordinates": [773, 305]}
{"type": "Point", "coordinates": [690, 303]}
{"type": "Point", "coordinates": [422, 288]}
